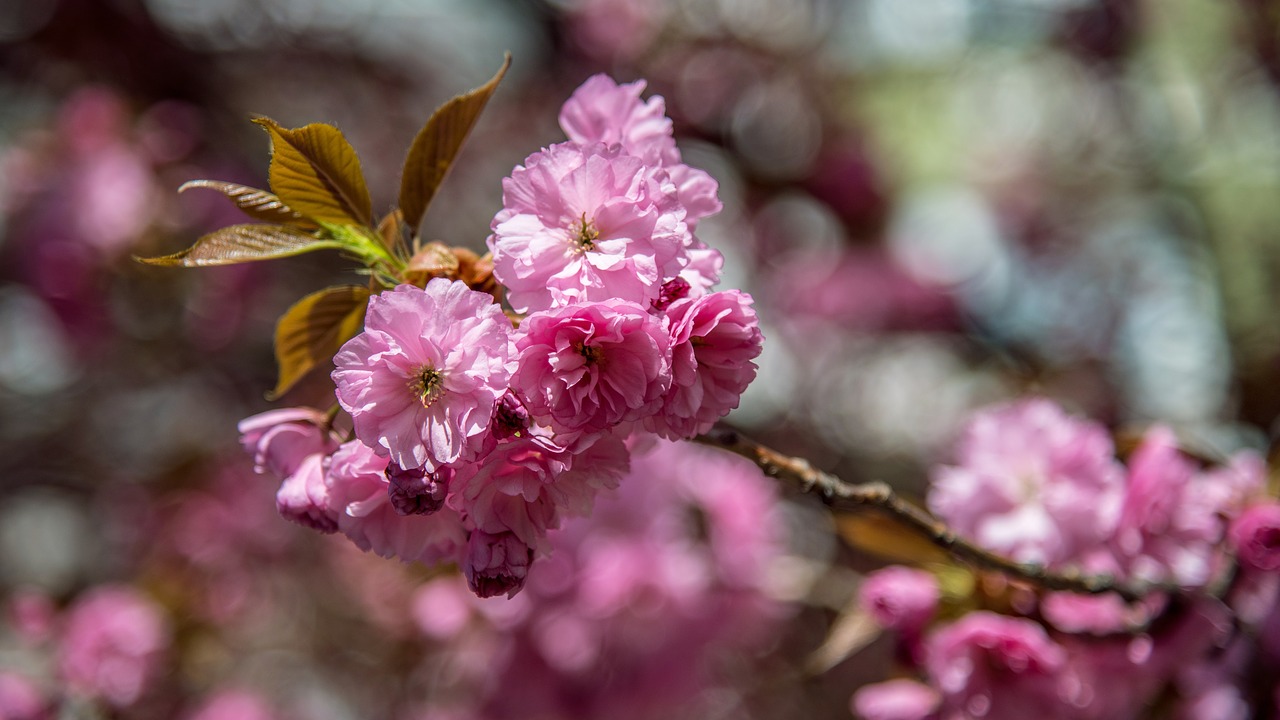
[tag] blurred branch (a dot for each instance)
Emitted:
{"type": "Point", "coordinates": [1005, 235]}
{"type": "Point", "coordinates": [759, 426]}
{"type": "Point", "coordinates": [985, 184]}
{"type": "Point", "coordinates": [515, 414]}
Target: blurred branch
{"type": "Point", "coordinates": [840, 495]}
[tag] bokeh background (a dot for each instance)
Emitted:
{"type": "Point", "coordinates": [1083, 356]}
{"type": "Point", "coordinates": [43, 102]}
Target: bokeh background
{"type": "Point", "coordinates": [936, 204]}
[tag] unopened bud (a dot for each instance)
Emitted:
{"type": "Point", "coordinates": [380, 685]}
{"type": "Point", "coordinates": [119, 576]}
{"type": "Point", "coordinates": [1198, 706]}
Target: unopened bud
{"type": "Point", "coordinates": [414, 491]}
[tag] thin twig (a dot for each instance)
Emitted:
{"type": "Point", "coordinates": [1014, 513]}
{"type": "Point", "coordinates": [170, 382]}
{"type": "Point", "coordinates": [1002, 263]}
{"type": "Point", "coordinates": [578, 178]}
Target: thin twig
{"type": "Point", "coordinates": [840, 495]}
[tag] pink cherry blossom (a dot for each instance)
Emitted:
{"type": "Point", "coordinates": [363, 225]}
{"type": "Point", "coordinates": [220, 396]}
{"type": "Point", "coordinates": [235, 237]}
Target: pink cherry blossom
{"type": "Point", "coordinates": [1031, 482]}
{"type": "Point", "coordinates": [526, 486]}
{"type": "Point", "coordinates": [279, 440]}
{"type": "Point", "coordinates": [20, 699]}
{"type": "Point", "coordinates": [602, 111]}
{"type": "Point", "coordinates": [586, 223]}
{"type": "Point", "coordinates": [422, 379]}
{"type": "Point", "coordinates": [1172, 519]}
{"type": "Point", "coordinates": [997, 667]}
{"type": "Point", "coordinates": [900, 598]}
{"type": "Point", "coordinates": [303, 497]}
{"type": "Point", "coordinates": [113, 644]}
{"type": "Point", "coordinates": [714, 339]}
{"type": "Point", "coordinates": [360, 494]}
{"type": "Point", "coordinates": [585, 368]}
{"type": "Point", "coordinates": [1255, 535]}
{"type": "Point", "coordinates": [896, 700]}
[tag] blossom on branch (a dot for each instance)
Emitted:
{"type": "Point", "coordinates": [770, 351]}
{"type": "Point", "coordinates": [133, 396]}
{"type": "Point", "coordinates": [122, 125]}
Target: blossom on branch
{"type": "Point", "coordinates": [422, 379]}
{"type": "Point", "coordinates": [586, 223]}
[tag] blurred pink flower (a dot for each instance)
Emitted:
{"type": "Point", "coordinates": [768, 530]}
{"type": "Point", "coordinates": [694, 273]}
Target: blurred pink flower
{"type": "Point", "coordinates": [996, 667]}
{"type": "Point", "coordinates": [32, 614]}
{"type": "Point", "coordinates": [714, 340]}
{"type": "Point", "coordinates": [359, 493]}
{"type": "Point", "coordinates": [900, 598]}
{"type": "Point", "coordinates": [586, 223]}
{"type": "Point", "coordinates": [20, 699]}
{"type": "Point", "coordinates": [1255, 536]}
{"type": "Point", "coordinates": [896, 700]}
{"type": "Point", "coordinates": [1172, 519]}
{"type": "Point", "coordinates": [422, 379]}
{"type": "Point", "coordinates": [233, 705]}
{"type": "Point", "coordinates": [112, 644]}
{"type": "Point", "coordinates": [585, 368]}
{"type": "Point", "coordinates": [1032, 483]}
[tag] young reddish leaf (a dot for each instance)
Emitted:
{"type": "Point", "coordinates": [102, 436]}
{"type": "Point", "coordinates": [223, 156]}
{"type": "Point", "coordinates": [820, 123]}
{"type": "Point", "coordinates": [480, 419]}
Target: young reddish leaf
{"type": "Point", "coordinates": [244, 243]}
{"type": "Point", "coordinates": [313, 330]}
{"type": "Point", "coordinates": [391, 230]}
{"type": "Point", "coordinates": [437, 144]}
{"type": "Point", "coordinates": [316, 172]}
{"type": "Point", "coordinates": [257, 204]}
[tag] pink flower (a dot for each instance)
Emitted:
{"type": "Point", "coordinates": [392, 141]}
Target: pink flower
{"type": "Point", "coordinates": [714, 339]}
{"type": "Point", "coordinates": [1032, 483]}
{"type": "Point", "coordinates": [20, 699]}
{"type": "Point", "coordinates": [496, 564]}
{"type": "Point", "coordinates": [896, 700]}
{"type": "Point", "coordinates": [304, 498]}
{"type": "Point", "coordinates": [233, 705]}
{"type": "Point", "coordinates": [900, 598]}
{"type": "Point", "coordinates": [360, 494]}
{"type": "Point", "coordinates": [1255, 535]}
{"type": "Point", "coordinates": [526, 486]}
{"type": "Point", "coordinates": [585, 368]}
{"type": "Point", "coordinates": [1171, 521]}
{"type": "Point", "coordinates": [279, 440]}
{"type": "Point", "coordinates": [996, 667]}
{"type": "Point", "coordinates": [602, 111]}
{"type": "Point", "coordinates": [584, 224]}
{"type": "Point", "coordinates": [113, 644]}
{"type": "Point", "coordinates": [422, 379]}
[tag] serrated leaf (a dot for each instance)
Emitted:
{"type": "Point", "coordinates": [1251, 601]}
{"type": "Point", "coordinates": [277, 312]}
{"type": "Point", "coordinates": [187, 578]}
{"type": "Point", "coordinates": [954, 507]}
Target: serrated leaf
{"type": "Point", "coordinates": [257, 204]}
{"type": "Point", "coordinates": [312, 331]}
{"type": "Point", "coordinates": [437, 144]}
{"type": "Point", "coordinates": [315, 171]}
{"type": "Point", "coordinates": [244, 243]}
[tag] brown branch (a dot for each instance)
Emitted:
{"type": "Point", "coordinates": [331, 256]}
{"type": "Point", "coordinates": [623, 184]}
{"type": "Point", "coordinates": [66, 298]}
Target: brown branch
{"type": "Point", "coordinates": [840, 495]}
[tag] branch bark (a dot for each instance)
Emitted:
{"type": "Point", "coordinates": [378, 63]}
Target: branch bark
{"type": "Point", "coordinates": [840, 495]}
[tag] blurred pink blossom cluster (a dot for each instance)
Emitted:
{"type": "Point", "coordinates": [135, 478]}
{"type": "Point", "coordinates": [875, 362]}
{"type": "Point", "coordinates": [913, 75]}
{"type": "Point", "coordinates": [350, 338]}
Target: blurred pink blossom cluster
{"type": "Point", "coordinates": [1044, 487]}
{"type": "Point", "coordinates": [635, 611]}
{"type": "Point", "coordinates": [473, 438]}
{"type": "Point", "coordinates": [108, 647]}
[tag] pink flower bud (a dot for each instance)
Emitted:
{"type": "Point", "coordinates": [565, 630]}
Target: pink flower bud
{"type": "Point", "coordinates": [496, 564]}
{"type": "Point", "coordinates": [414, 491]}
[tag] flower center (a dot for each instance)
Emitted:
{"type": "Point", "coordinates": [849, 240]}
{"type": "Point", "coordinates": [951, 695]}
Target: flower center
{"type": "Point", "coordinates": [427, 385]}
{"type": "Point", "coordinates": [587, 235]}
{"type": "Point", "coordinates": [592, 355]}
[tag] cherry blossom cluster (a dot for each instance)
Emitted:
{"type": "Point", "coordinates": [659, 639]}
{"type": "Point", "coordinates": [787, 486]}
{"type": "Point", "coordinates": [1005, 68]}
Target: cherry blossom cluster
{"type": "Point", "coordinates": [475, 435]}
{"type": "Point", "coordinates": [1044, 487]}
